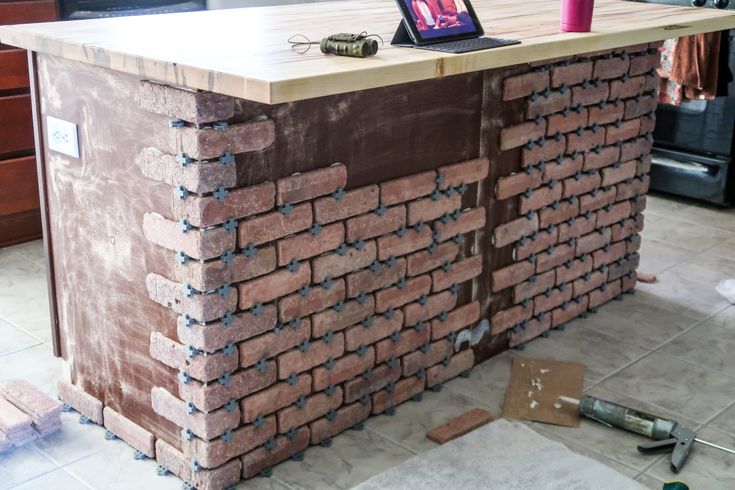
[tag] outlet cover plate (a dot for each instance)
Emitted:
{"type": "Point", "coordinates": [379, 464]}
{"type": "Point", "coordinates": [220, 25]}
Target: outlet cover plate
{"type": "Point", "coordinates": [62, 136]}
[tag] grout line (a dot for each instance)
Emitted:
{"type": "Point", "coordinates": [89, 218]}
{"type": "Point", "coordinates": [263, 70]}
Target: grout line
{"type": "Point", "coordinates": [391, 440]}
{"type": "Point", "coordinates": [87, 485]}
{"type": "Point", "coordinates": [275, 477]}
{"type": "Point", "coordinates": [711, 419]}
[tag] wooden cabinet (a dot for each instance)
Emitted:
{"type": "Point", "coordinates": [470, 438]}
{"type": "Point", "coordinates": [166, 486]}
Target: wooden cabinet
{"type": "Point", "coordinates": [20, 216]}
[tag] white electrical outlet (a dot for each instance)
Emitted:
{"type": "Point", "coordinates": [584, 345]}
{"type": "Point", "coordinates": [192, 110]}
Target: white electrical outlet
{"type": "Point", "coordinates": [62, 136]}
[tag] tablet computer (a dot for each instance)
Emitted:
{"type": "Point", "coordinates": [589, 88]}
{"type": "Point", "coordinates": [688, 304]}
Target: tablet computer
{"type": "Point", "coordinates": [439, 21]}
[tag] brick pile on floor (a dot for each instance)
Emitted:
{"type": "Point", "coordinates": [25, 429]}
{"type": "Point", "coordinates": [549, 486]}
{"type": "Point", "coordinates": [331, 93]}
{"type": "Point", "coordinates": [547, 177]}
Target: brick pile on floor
{"type": "Point", "coordinates": [26, 414]}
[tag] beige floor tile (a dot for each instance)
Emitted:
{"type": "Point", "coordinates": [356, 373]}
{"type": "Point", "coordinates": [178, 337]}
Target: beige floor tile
{"type": "Point", "coordinates": [650, 481]}
{"type": "Point", "coordinates": [55, 480]}
{"type": "Point", "coordinates": [22, 464]}
{"type": "Point", "coordinates": [706, 468]}
{"type": "Point", "coordinates": [666, 204]}
{"type": "Point", "coordinates": [13, 339]}
{"type": "Point", "coordinates": [353, 457]}
{"type": "Point", "coordinates": [725, 421]}
{"type": "Point", "coordinates": [708, 215]}
{"type": "Point", "coordinates": [657, 256]}
{"type": "Point", "coordinates": [74, 441]}
{"type": "Point", "coordinates": [724, 249]}
{"type": "Point", "coordinates": [24, 297]}
{"type": "Point", "coordinates": [646, 325]}
{"type": "Point", "coordinates": [487, 382]}
{"type": "Point", "coordinates": [708, 345]}
{"type": "Point", "coordinates": [692, 236]}
{"type": "Point", "coordinates": [675, 385]}
{"type": "Point", "coordinates": [262, 483]}
{"type": "Point", "coordinates": [725, 318]}
{"type": "Point", "coordinates": [36, 364]}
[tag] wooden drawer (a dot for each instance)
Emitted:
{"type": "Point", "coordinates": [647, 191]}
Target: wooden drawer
{"type": "Point", "coordinates": [18, 186]}
{"type": "Point", "coordinates": [13, 69]}
{"type": "Point", "coordinates": [27, 12]}
{"type": "Point", "coordinates": [20, 227]}
{"type": "Point", "coordinates": [16, 124]}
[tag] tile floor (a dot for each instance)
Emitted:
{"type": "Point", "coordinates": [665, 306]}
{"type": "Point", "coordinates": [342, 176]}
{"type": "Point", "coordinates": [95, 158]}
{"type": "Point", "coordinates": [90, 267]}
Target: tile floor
{"type": "Point", "coordinates": [667, 349]}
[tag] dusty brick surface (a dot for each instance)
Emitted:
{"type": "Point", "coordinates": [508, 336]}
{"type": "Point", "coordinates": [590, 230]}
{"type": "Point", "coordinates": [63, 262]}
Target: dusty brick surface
{"type": "Point", "coordinates": [203, 367]}
{"type": "Point", "coordinates": [316, 299]}
{"type": "Point", "coordinates": [212, 454]}
{"type": "Point", "coordinates": [297, 361]}
{"type": "Point", "coordinates": [277, 396]}
{"type": "Point", "coordinates": [346, 418]}
{"type": "Point", "coordinates": [205, 276]}
{"type": "Point", "coordinates": [306, 245]}
{"type": "Point", "coordinates": [174, 461]}
{"type": "Point", "coordinates": [273, 343]}
{"type": "Point", "coordinates": [367, 281]}
{"type": "Point", "coordinates": [408, 340]}
{"type": "Point", "coordinates": [458, 319]}
{"type": "Point", "coordinates": [425, 261]}
{"type": "Point", "coordinates": [272, 286]}
{"type": "Point", "coordinates": [207, 143]}
{"type": "Point", "coordinates": [358, 201]}
{"type": "Point", "coordinates": [210, 396]}
{"type": "Point", "coordinates": [403, 390]}
{"type": "Point", "coordinates": [351, 313]}
{"type": "Point", "coordinates": [308, 185]}
{"type": "Point", "coordinates": [463, 173]}
{"type": "Point", "coordinates": [460, 271]}
{"type": "Point", "coordinates": [468, 221]}
{"type": "Point", "coordinates": [202, 177]}
{"type": "Point", "coordinates": [272, 226]}
{"type": "Point", "coordinates": [217, 335]}
{"type": "Point", "coordinates": [345, 368]}
{"type": "Point", "coordinates": [315, 406]}
{"type": "Point", "coordinates": [205, 425]}
{"type": "Point", "coordinates": [428, 209]}
{"type": "Point", "coordinates": [407, 188]}
{"type": "Point", "coordinates": [203, 307]}
{"type": "Point", "coordinates": [130, 432]}
{"type": "Point", "coordinates": [238, 203]}
{"type": "Point", "coordinates": [196, 243]}
{"type": "Point", "coordinates": [374, 329]}
{"type": "Point", "coordinates": [398, 296]}
{"type": "Point", "coordinates": [380, 377]}
{"type": "Point", "coordinates": [458, 364]}
{"type": "Point", "coordinates": [395, 245]}
{"type": "Point", "coordinates": [417, 360]}
{"type": "Point", "coordinates": [188, 105]}
{"type": "Point", "coordinates": [81, 401]}
{"type": "Point", "coordinates": [435, 304]}
{"type": "Point", "coordinates": [371, 225]}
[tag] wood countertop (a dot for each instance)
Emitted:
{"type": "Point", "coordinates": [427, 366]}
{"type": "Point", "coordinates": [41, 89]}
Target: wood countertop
{"type": "Point", "coordinates": [244, 52]}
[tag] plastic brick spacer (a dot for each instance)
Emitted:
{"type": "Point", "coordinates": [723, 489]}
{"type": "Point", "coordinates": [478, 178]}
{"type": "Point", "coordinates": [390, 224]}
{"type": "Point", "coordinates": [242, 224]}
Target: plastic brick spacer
{"type": "Point", "coordinates": [301, 402]}
{"type": "Point", "coordinates": [381, 210]}
{"type": "Point", "coordinates": [191, 351]}
{"type": "Point", "coordinates": [331, 415]}
{"type": "Point", "coordinates": [182, 192]}
{"type": "Point", "coordinates": [230, 406]}
{"type": "Point", "coordinates": [183, 159]}
{"type": "Point", "coordinates": [259, 421]}
{"type": "Point", "coordinates": [389, 313]}
{"type": "Point", "coordinates": [185, 320]}
{"type": "Point", "coordinates": [220, 193]}
{"type": "Point", "coordinates": [227, 158]}
{"type": "Point", "coordinates": [339, 306]}
{"type": "Point", "coordinates": [220, 126]}
{"type": "Point", "coordinates": [250, 251]}
{"type": "Point", "coordinates": [230, 224]}
{"type": "Point", "coordinates": [361, 298]}
{"type": "Point", "coordinates": [327, 283]}
{"type": "Point", "coordinates": [187, 434]}
{"type": "Point", "coordinates": [293, 266]}
{"type": "Point", "coordinates": [339, 194]}
{"type": "Point", "coordinates": [330, 390]}
{"type": "Point", "coordinates": [194, 466]}
{"type": "Point", "coordinates": [286, 209]}
{"type": "Point", "coordinates": [184, 226]}
{"type": "Point", "coordinates": [359, 244]}
{"type": "Point", "coordinates": [257, 309]}
{"type": "Point", "coordinates": [190, 408]}
{"type": "Point", "coordinates": [292, 379]}
{"type": "Point", "coordinates": [227, 319]}
{"type": "Point", "coordinates": [361, 351]}
{"type": "Point", "coordinates": [224, 290]}
{"type": "Point", "coordinates": [295, 323]}
{"type": "Point", "coordinates": [328, 337]}
{"type": "Point", "coordinates": [139, 455]}
{"type": "Point", "coordinates": [184, 377]}
{"type": "Point", "coordinates": [315, 229]}
{"type": "Point", "coordinates": [181, 257]}
{"type": "Point", "coordinates": [110, 436]}
{"type": "Point", "coordinates": [401, 232]}
{"type": "Point", "coordinates": [229, 350]}
{"type": "Point", "coordinates": [225, 379]}
{"type": "Point", "coordinates": [227, 436]}
{"type": "Point", "coordinates": [227, 257]}
{"type": "Point", "coordinates": [304, 346]}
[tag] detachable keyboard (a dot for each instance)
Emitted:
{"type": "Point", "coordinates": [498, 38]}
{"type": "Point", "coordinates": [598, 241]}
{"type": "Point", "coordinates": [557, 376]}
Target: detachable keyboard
{"type": "Point", "coordinates": [467, 45]}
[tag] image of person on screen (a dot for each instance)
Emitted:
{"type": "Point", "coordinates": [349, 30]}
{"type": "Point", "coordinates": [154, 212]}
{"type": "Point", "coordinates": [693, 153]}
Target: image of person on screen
{"type": "Point", "coordinates": [428, 15]}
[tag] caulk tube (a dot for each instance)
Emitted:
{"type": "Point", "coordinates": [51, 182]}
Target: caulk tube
{"type": "Point", "coordinates": [576, 15]}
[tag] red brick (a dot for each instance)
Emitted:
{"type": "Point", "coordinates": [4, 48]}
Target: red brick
{"type": "Point", "coordinates": [188, 105]}
{"type": "Point", "coordinates": [295, 361]}
{"type": "Point", "coordinates": [635, 148]}
{"type": "Point", "coordinates": [525, 84]}
{"type": "Point", "coordinates": [625, 88]}
{"type": "Point", "coordinates": [549, 260]}
{"type": "Point", "coordinates": [271, 399]}
{"type": "Point", "coordinates": [613, 175]}
{"type": "Point", "coordinates": [378, 379]}
{"type": "Point", "coordinates": [582, 183]}
{"type": "Point", "coordinates": [623, 267]}
{"type": "Point", "coordinates": [567, 313]}
{"type": "Point", "coordinates": [404, 390]}
{"type": "Point", "coordinates": [394, 297]}
{"type": "Point", "coordinates": [345, 368]}
{"type": "Point", "coordinates": [511, 275]}
{"type": "Point", "coordinates": [205, 276]}
{"type": "Point", "coordinates": [458, 364]}
{"type": "Point", "coordinates": [271, 344]}
{"type": "Point", "coordinates": [407, 188]}
{"type": "Point", "coordinates": [512, 231]}
{"type": "Point", "coordinates": [358, 201]}
{"type": "Point", "coordinates": [394, 245]}
{"type": "Point", "coordinates": [425, 261]}
{"type": "Point", "coordinates": [566, 122]}
{"type": "Point", "coordinates": [200, 367]}
{"type": "Point", "coordinates": [577, 268]}
{"type": "Point", "coordinates": [371, 225]}
{"type": "Point", "coordinates": [239, 203]}
{"type": "Point", "coordinates": [316, 406]}
{"type": "Point", "coordinates": [222, 477]}
{"type": "Point", "coordinates": [306, 245]}
{"type": "Point", "coordinates": [592, 241]}
{"type": "Point", "coordinates": [81, 401]}
{"type": "Point", "coordinates": [409, 340]}
{"type": "Point", "coordinates": [614, 67]}
{"type": "Point", "coordinates": [599, 297]}
{"type": "Point", "coordinates": [561, 169]}
{"type": "Point", "coordinates": [644, 165]}
{"type": "Point", "coordinates": [540, 197]}
{"type": "Point", "coordinates": [618, 212]}
{"type": "Point", "coordinates": [205, 425]}
{"type": "Point", "coordinates": [204, 143]}
{"type": "Point", "coordinates": [505, 319]}
{"type": "Point", "coordinates": [367, 281]}
{"type": "Point", "coordinates": [636, 108]}
{"type": "Point", "coordinates": [469, 221]}
{"type": "Point", "coordinates": [585, 140]}
{"type": "Point", "coordinates": [335, 265]}
{"type": "Point", "coordinates": [203, 307]}
{"type": "Point", "coordinates": [597, 199]}
{"type": "Point", "coordinates": [614, 252]}
{"type": "Point", "coordinates": [627, 227]}
{"type": "Point", "coordinates": [463, 173]}
{"type": "Point", "coordinates": [208, 397]}
{"type": "Point", "coordinates": [272, 226]}
{"type": "Point", "coordinates": [196, 243]}
{"type": "Point", "coordinates": [644, 63]}
{"type": "Point", "coordinates": [542, 241]}
{"type": "Point", "coordinates": [571, 74]}
{"type": "Point", "coordinates": [625, 131]}
{"type": "Point", "coordinates": [200, 178]}
{"type": "Point", "coordinates": [308, 185]}
{"type": "Point", "coordinates": [520, 134]}
{"type": "Point", "coordinates": [427, 209]}
{"type": "Point", "coordinates": [628, 282]}
{"type": "Point", "coordinates": [543, 303]}
{"type": "Point", "coordinates": [316, 299]}
{"type": "Point", "coordinates": [461, 271]}
{"type": "Point", "coordinates": [591, 94]}
{"type": "Point", "coordinates": [594, 159]}
{"type": "Point", "coordinates": [585, 284]}
{"type": "Point", "coordinates": [276, 284]}
{"type": "Point", "coordinates": [517, 183]}
{"type": "Point", "coordinates": [551, 216]}
{"type": "Point", "coordinates": [413, 362]}
{"type": "Point", "coordinates": [633, 244]}
{"type": "Point", "coordinates": [537, 284]}
{"type": "Point", "coordinates": [534, 328]}
{"type": "Point", "coordinates": [462, 317]}
{"type": "Point", "coordinates": [544, 105]}
{"type": "Point", "coordinates": [549, 151]}
{"type": "Point", "coordinates": [332, 320]}
{"type": "Point", "coordinates": [606, 112]}
{"type": "Point", "coordinates": [261, 458]}
{"type": "Point", "coordinates": [581, 225]}
{"type": "Point", "coordinates": [346, 417]}
{"type": "Point", "coordinates": [638, 205]}
{"type": "Point", "coordinates": [435, 304]}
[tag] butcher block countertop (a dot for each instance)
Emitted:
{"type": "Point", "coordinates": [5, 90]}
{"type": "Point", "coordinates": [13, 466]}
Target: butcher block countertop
{"type": "Point", "coordinates": [244, 52]}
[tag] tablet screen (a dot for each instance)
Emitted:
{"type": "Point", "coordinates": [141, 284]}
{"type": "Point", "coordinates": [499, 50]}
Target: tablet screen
{"type": "Point", "coordinates": [434, 19]}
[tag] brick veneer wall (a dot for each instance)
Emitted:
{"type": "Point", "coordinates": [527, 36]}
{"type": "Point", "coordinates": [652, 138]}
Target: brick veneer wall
{"type": "Point", "coordinates": [580, 186]}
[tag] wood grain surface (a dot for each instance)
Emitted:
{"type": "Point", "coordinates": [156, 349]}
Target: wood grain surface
{"type": "Point", "coordinates": [249, 56]}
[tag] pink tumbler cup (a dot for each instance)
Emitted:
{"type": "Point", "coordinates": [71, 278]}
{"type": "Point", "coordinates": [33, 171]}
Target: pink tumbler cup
{"type": "Point", "coordinates": [576, 15]}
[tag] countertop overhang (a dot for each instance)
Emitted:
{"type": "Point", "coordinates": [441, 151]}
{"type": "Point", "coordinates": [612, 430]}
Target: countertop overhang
{"type": "Point", "coordinates": [244, 52]}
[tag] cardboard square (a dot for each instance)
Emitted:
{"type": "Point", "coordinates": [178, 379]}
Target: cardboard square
{"type": "Point", "coordinates": [535, 387]}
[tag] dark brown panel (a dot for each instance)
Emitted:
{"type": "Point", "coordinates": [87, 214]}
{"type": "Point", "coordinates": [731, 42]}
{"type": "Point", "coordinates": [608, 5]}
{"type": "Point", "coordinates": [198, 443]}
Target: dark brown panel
{"type": "Point", "coordinates": [16, 127]}
{"type": "Point", "coordinates": [27, 12]}
{"type": "Point", "coordinates": [21, 227]}
{"type": "Point", "coordinates": [18, 186]}
{"type": "Point", "coordinates": [13, 69]}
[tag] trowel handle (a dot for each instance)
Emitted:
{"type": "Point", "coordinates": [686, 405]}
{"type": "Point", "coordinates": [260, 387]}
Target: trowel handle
{"type": "Point", "coordinates": [626, 418]}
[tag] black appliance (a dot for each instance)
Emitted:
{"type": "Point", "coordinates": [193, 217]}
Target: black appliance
{"type": "Point", "coordinates": [694, 143]}
{"type": "Point", "coordinates": [97, 9]}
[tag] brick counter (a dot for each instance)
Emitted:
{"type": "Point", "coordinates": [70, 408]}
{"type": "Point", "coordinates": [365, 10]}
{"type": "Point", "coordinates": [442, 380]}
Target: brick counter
{"type": "Point", "coordinates": [238, 281]}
